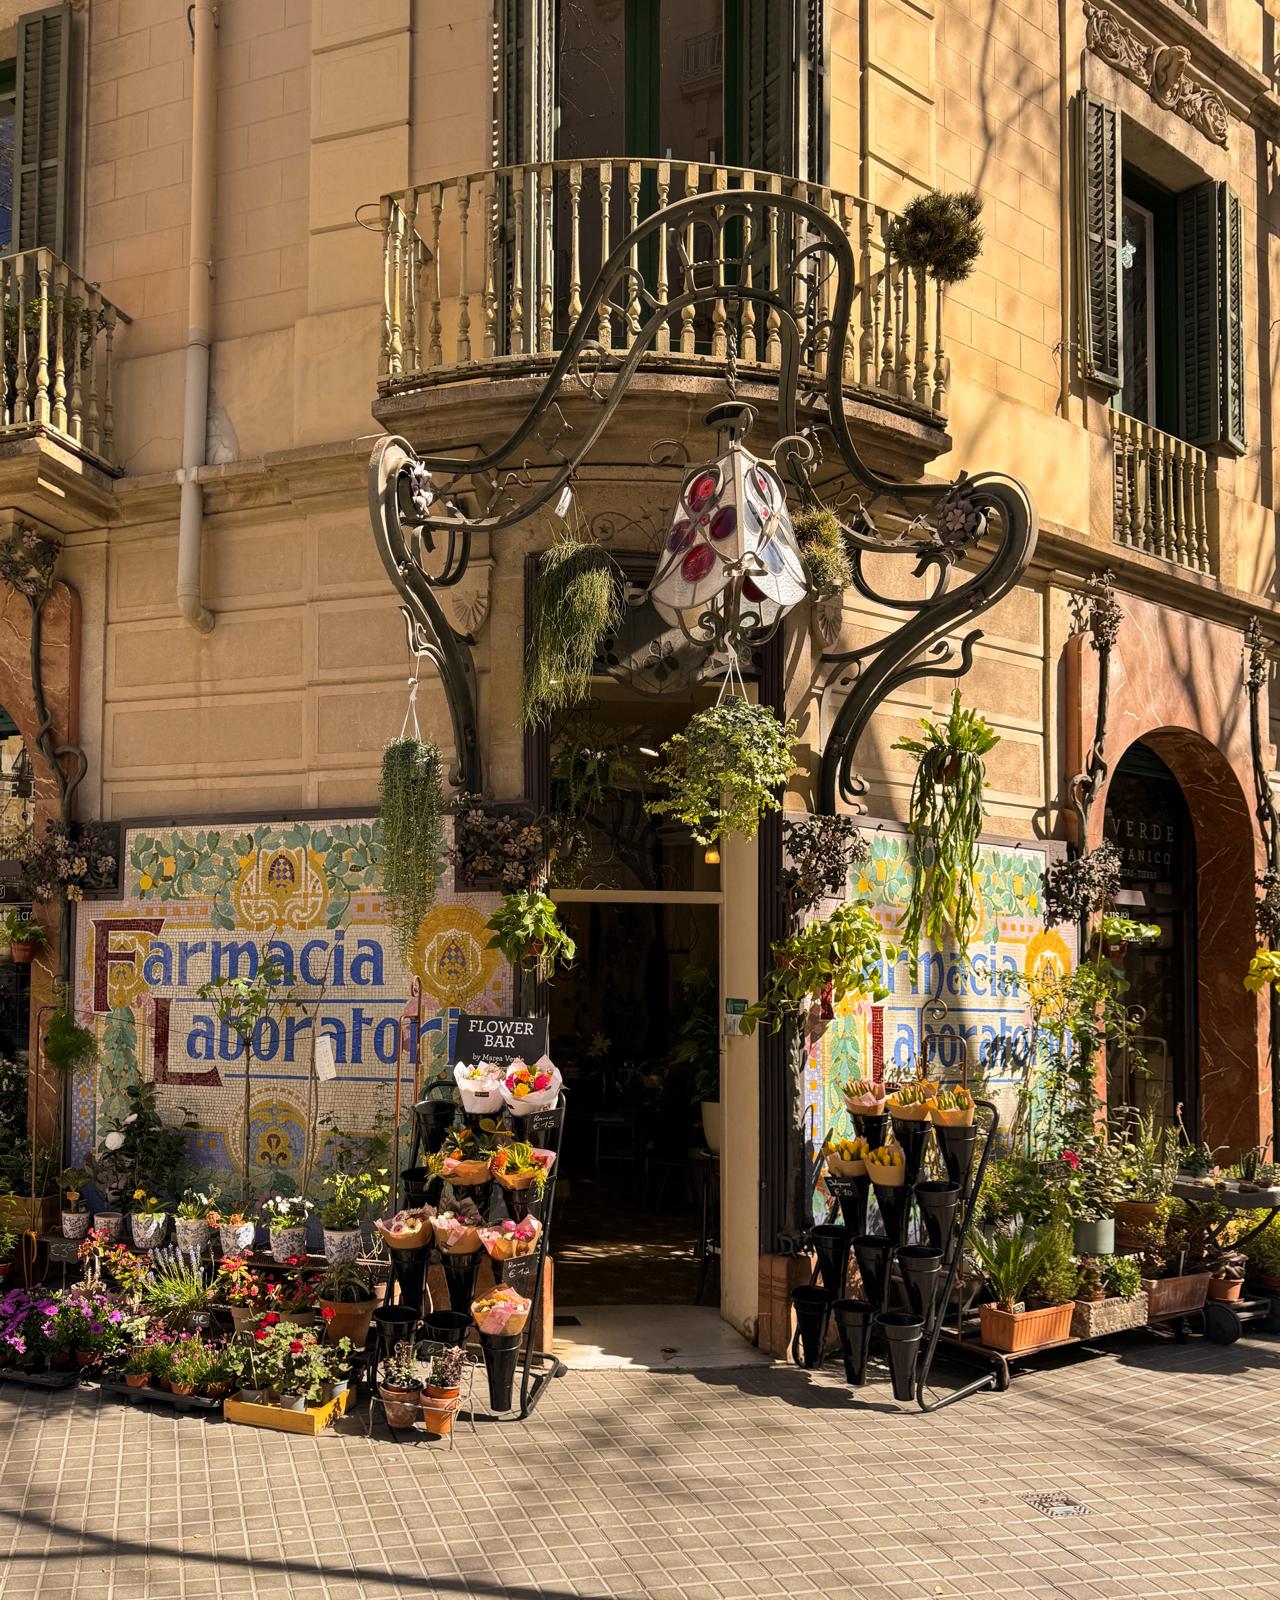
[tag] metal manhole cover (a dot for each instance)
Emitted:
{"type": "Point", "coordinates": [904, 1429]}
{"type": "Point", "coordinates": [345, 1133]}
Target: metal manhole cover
{"type": "Point", "coordinates": [1056, 1504]}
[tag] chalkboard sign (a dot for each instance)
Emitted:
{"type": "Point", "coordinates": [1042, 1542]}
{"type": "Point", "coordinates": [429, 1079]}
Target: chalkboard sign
{"type": "Point", "coordinates": [499, 1039]}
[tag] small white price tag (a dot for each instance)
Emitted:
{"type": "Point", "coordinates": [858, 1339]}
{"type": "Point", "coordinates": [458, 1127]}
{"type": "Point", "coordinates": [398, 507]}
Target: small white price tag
{"type": "Point", "coordinates": [564, 502]}
{"type": "Point", "coordinates": [326, 1066]}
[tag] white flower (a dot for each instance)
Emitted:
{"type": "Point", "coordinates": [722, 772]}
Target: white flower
{"type": "Point", "coordinates": [132, 1117]}
{"type": "Point", "coordinates": [114, 1141]}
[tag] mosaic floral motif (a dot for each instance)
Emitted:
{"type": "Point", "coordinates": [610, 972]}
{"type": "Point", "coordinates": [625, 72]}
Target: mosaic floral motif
{"type": "Point", "coordinates": [118, 1072]}
{"type": "Point", "coordinates": [1007, 881]}
{"type": "Point", "coordinates": [277, 1138]}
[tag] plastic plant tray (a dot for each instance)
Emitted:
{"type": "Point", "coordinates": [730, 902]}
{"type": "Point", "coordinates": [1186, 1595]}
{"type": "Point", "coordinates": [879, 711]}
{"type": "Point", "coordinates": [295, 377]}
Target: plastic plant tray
{"type": "Point", "coordinates": [163, 1397]}
{"type": "Point", "coordinates": [41, 1380]}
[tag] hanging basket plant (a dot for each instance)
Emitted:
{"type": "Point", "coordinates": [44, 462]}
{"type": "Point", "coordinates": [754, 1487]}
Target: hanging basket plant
{"type": "Point", "coordinates": [828, 960]}
{"type": "Point", "coordinates": [939, 234]}
{"type": "Point", "coordinates": [946, 821]}
{"type": "Point", "coordinates": [576, 604]}
{"type": "Point", "coordinates": [527, 930]}
{"type": "Point", "coordinates": [720, 774]}
{"type": "Point", "coordinates": [410, 802]}
{"type": "Point", "coordinates": [822, 549]}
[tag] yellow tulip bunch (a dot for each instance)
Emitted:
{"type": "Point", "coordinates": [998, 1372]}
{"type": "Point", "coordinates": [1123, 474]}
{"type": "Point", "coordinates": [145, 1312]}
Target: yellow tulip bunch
{"type": "Point", "coordinates": [862, 1095]}
{"type": "Point", "coordinates": [913, 1101]}
{"type": "Point", "coordinates": [953, 1108]}
{"type": "Point", "coordinates": [847, 1158]}
{"type": "Point", "coordinates": [887, 1166]}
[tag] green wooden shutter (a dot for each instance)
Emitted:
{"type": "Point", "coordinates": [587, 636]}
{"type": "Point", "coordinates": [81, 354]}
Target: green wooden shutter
{"type": "Point", "coordinates": [40, 129]}
{"type": "Point", "coordinates": [1210, 326]}
{"type": "Point", "coordinates": [767, 63]}
{"type": "Point", "coordinates": [1098, 184]}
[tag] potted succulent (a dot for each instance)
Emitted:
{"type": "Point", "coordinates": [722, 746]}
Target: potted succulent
{"type": "Point", "coordinates": [527, 930]}
{"type": "Point", "coordinates": [191, 1227]}
{"type": "Point", "coordinates": [287, 1225]}
{"type": "Point", "coordinates": [24, 937]}
{"type": "Point", "coordinates": [75, 1218]}
{"type": "Point", "coordinates": [347, 1302]}
{"type": "Point", "coordinates": [1109, 1297]}
{"type": "Point", "coordinates": [442, 1389]}
{"type": "Point", "coordinates": [348, 1198]}
{"type": "Point", "coordinates": [1227, 1280]}
{"type": "Point", "coordinates": [1011, 1261]}
{"type": "Point", "coordinates": [147, 1222]}
{"type": "Point", "coordinates": [400, 1388]}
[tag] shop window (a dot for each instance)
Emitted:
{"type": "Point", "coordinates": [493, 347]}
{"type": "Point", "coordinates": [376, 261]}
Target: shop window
{"type": "Point", "coordinates": [1161, 278]}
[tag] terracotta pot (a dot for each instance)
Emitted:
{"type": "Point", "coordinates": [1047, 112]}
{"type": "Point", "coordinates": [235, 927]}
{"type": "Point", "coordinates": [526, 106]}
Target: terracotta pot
{"type": "Point", "coordinates": [1225, 1288]}
{"type": "Point", "coordinates": [22, 952]}
{"type": "Point", "coordinates": [244, 1318]}
{"type": "Point", "coordinates": [216, 1391]}
{"type": "Point", "coordinates": [402, 1406]}
{"type": "Point", "coordinates": [300, 1319]}
{"type": "Point", "coordinates": [350, 1320]}
{"type": "Point", "coordinates": [165, 1385]}
{"type": "Point", "coordinates": [1025, 1330]}
{"type": "Point", "coordinates": [1268, 1282]}
{"type": "Point", "coordinates": [438, 1407]}
{"type": "Point", "coordinates": [182, 1388]}
{"type": "Point", "coordinates": [138, 1380]}
{"type": "Point", "coordinates": [87, 1358]}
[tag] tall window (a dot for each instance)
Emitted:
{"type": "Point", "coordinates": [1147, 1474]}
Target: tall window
{"type": "Point", "coordinates": [8, 88]}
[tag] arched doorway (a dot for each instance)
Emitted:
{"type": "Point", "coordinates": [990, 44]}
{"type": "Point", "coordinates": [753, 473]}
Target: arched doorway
{"type": "Point", "coordinates": [1148, 823]}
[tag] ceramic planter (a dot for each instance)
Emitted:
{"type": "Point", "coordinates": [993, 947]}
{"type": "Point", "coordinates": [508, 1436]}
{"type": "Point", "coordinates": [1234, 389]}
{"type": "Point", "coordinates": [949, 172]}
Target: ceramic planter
{"type": "Point", "coordinates": [341, 1244]}
{"type": "Point", "coordinates": [148, 1229]}
{"type": "Point", "coordinates": [1095, 1238]}
{"type": "Point", "coordinates": [811, 1305]}
{"type": "Point", "coordinates": [191, 1234]}
{"type": "Point", "coordinates": [1025, 1330]}
{"type": "Point", "coordinates": [853, 1319]}
{"type": "Point", "coordinates": [110, 1224]}
{"type": "Point", "coordinates": [1091, 1319]}
{"type": "Point", "coordinates": [1171, 1297]}
{"type": "Point", "coordinates": [299, 1319]}
{"type": "Point", "coordinates": [75, 1224]}
{"type": "Point", "coordinates": [236, 1238]}
{"type": "Point", "coordinates": [902, 1332]}
{"type": "Point", "coordinates": [401, 1407]}
{"type": "Point", "coordinates": [350, 1320]}
{"type": "Point", "coordinates": [182, 1389]}
{"type": "Point", "coordinates": [286, 1242]}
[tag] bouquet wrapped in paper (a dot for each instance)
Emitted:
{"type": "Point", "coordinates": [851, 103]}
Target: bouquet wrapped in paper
{"type": "Point", "coordinates": [887, 1166]}
{"type": "Point", "coordinates": [862, 1097]}
{"type": "Point", "coordinates": [462, 1159]}
{"type": "Point", "coordinates": [952, 1108]}
{"type": "Point", "coordinates": [479, 1087]}
{"type": "Point", "coordinates": [506, 1240]}
{"type": "Point", "coordinates": [847, 1158]}
{"type": "Point", "coordinates": [502, 1310]}
{"type": "Point", "coordinates": [913, 1102]}
{"type": "Point", "coordinates": [458, 1231]}
{"type": "Point", "coordinates": [531, 1088]}
{"type": "Point", "coordinates": [519, 1166]}
{"type": "Point", "coordinates": [407, 1230]}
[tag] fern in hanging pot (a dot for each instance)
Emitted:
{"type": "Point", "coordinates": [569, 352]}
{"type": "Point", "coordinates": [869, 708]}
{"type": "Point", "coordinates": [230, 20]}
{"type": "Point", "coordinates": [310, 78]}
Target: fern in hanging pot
{"type": "Point", "coordinates": [410, 802]}
{"type": "Point", "coordinates": [576, 604]}
{"type": "Point", "coordinates": [945, 824]}
{"type": "Point", "coordinates": [526, 928]}
{"type": "Point", "coordinates": [720, 774]}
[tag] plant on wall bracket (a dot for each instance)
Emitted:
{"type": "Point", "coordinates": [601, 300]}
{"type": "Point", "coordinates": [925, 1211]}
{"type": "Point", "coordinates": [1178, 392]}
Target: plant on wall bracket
{"type": "Point", "coordinates": [410, 802]}
{"type": "Point", "coordinates": [720, 774]}
{"type": "Point", "coordinates": [527, 930]}
{"type": "Point", "coordinates": [827, 960]}
{"type": "Point", "coordinates": [946, 821]}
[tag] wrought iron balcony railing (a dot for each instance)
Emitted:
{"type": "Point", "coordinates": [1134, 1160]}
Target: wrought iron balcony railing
{"type": "Point", "coordinates": [493, 268]}
{"type": "Point", "coordinates": [58, 337]}
{"type": "Point", "coordinates": [1161, 496]}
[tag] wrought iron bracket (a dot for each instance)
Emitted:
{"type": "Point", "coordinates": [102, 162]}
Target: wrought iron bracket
{"type": "Point", "coordinates": [1255, 676]}
{"type": "Point", "coordinates": [1095, 611]}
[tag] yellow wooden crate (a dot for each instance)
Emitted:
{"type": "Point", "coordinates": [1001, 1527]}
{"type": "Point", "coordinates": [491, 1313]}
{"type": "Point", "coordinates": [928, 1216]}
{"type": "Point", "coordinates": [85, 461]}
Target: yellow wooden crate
{"type": "Point", "coordinates": [312, 1420]}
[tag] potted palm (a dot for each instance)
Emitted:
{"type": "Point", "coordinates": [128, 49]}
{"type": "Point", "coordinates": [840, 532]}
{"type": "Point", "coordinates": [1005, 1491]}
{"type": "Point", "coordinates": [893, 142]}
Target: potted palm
{"type": "Point", "coordinates": [1011, 1261]}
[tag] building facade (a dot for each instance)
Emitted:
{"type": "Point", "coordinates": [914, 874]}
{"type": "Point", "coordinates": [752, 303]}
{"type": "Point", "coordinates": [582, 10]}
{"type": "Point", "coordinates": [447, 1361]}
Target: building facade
{"type": "Point", "coordinates": [244, 247]}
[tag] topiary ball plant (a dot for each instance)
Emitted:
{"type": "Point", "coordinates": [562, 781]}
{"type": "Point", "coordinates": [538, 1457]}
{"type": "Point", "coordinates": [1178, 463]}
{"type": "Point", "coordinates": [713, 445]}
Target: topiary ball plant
{"type": "Point", "coordinates": [939, 234]}
{"type": "Point", "coordinates": [410, 802]}
{"type": "Point", "coordinates": [720, 774]}
{"type": "Point", "coordinates": [576, 603]}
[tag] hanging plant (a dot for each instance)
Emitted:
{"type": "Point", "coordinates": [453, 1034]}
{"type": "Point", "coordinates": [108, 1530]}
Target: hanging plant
{"type": "Point", "coordinates": [939, 234]}
{"type": "Point", "coordinates": [721, 772]}
{"type": "Point", "coordinates": [946, 820]}
{"type": "Point", "coordinates": [67, 1045]}
{"type": "Point", "coordinates": [527, 930]}
{"type": "Point", "coordinates": [818, 854]}
{"type": "Point", "coordinates": [577, 602]}
{"type": "Point", "coordinates": [1078, 886]}
{"type": "Point", "coordinates": [822, 549]}
{"type": "Point", "coordinates": [410, 802]}
{"type": "Point", "coordinates": [827, 960]}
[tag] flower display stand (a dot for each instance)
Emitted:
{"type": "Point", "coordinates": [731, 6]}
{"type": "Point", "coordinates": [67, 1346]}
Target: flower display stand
{"type": "Point", "coordinates": [312, 1420]}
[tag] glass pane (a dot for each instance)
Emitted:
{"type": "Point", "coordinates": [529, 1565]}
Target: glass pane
{"type": "Point", "coordinates": [6, 173]}
{"type": "Point", "coordinates": [1136, 267]}
{"type": "Point", "coordinates": [691, 81]}
{"type": "Point", "coordinates": [591, 87]}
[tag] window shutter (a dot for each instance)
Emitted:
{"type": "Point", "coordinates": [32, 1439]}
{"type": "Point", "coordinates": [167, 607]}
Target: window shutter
{"type": "Point", "coordinates": [526, 82]}
{"type": "Point", "coordinates": [1098, 162]}
{"type": "Point", "coordinates": [1210, 327]}
{"type": "Point", "coordinates": [768, 60]}
{"type": "Point", "coordinates": [40, 136]}
{"type": "Point", "coordinates": [811, 90]}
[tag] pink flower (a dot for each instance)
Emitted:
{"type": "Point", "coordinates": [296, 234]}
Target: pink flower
{"type": "Point", "coordinates": [1071, 1159]}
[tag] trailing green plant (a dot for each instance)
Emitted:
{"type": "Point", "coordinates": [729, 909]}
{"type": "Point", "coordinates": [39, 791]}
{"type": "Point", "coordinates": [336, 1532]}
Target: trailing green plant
{"type": "Point", "coordinates": [410, 803]}
{"type": "Point", "coordinates": [828, 959]}
{"type": "Point", "coordinates": [1125, 930]}
{"type": "Point", "coordinates": [1011, 1261]}
{"type": "Point", "coordinates": [17, 929]}
{"type": "Point", "coordinates": [938, 233]}
{"type": "Point", "coordinates": [946, 820]}
{"type": "Point", "coordinates": [720, 774]}
{"type": "Point", "coordinates": [527, 930]}
{"type": "Point", "coordinates": [822, 549]}
{"type": "Point", "coordinates": [68, 1046]}
{"type": "Point", "coordinates": [576, 603]}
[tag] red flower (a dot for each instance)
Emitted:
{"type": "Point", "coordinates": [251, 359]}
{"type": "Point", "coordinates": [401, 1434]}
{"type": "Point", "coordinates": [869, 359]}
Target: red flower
{"type": "Point", "coordinates": [1071, 1159]}
{"type": "Point", "coordinates": [328, 1313]}
{"type": "Point", "coordinates": [294, 1261]}
{"type": "Point", "coordinates": [271, 1319]}
{"type": "Point", "coordinates": [260, 1334]}
{"type": "Point", "coordinates": [294, 1346]}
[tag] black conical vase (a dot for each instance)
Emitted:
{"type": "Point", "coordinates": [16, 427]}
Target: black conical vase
{"type": "Point", "coordinates": [434, 1118]}
{"type": "Point", "coordinates": [921, 1269]}
{"type": "Point", "coordinates": [811, 1305]}
{"type": "Point", "coordinates": [902, 1332]}
{"type": "Point", "coordinates": [938, 1203]}
{"type": "Point", "coordinates": [853, 1320]}
{"type": "Point", "coordinates": [913, 1135]}
{"type": "Point", "coordinates": [894, 1201]}
{"type": "Point", "coordinates": [446, 1327]}
{"type": "Point", "coordinates": [852, 1194]}
{"type": "Point", "coordinates": [957, 1146]}
{"type": "Point", "coordinates": [414, 1182]}
{"type": "Point", "coordinates": [409, 1269]}
{"type": "Point", "coordinates": [460, 1275]}
{"type": "Point", "coordinates": [831, 1241]}
{"type": "Point", "coordinates": [873, 1254]}
{"type": "Point", "coordinates": [870, 1126]}
{"type": "Point", "coordinates": [501, 1351]}
{"type": "Point", "coordinates": [477, 1193]}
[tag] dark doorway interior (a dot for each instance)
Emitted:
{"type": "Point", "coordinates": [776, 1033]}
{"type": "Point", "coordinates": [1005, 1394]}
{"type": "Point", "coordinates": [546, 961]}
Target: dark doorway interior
{"type": "Point", "coordinates": [1148, 822]}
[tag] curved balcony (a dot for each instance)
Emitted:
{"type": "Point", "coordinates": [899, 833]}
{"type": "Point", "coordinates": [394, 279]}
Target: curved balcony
{"type": "Point", "coordinates": [485, 274]}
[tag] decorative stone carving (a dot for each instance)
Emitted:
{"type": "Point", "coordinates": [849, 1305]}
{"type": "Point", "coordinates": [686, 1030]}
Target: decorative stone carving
{"type": "Point", "coordinates": [466, 604]}
{"type": "Point", "coordinates": [1160, 69]}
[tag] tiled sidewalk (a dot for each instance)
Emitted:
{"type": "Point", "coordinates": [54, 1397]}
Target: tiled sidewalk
{"type": "Point", "coordinates": [715, 1485]}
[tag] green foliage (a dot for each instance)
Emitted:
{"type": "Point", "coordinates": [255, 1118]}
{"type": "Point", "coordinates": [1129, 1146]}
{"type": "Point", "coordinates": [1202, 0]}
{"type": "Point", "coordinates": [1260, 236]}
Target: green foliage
{"type": "Point", "coordinates": [8, 1245]}
{"type": "Point", "coordinates": [946, 820]}
{"type": "Point", "coordinates": [18, 929]}
{"type": "Point", "coordinates": [194, 1206]}
{"type": "Point", "coordinates": [1057, 1277]}
{"type": "Point", "coordinates": [721, 772]}
{"type": "Point", "coordinates": [1097, 1183]}
{"type": "Point", "coordinates": [1121, 1276]}
{"type": "Point", "coordinates": [698, 1032]}
{"type": "Point", "coordinates": [141, 1152]}
{"type": "Point", "coordinates": [348, 1197]}
{"type": "Point", "coordinates": [822, 548]}
{"type": "Point", "coordinates": [410, 802]}
{"type": "Point", "coordinates": [1148, 1155]}
{"type": "Point", "coordinates": [939, 233]}
{"type": "Point", "coordinates": [1124, 930]}
{"type": "Point", "coordinates": [345, 1282]}
{"type": "Point", "coordinates": [1013, 1190]}
{"type": "Point", "coordinates": [842, 953]}
{"type": "Point", "coordinates": [1011, 1261]}
{"type": "Point", "coordinates": [67, 1046]}
{"type": "Point", "coordinates": [177, 1287]}
{"type": "Point", "coordinates": [1263, 1253]}
{"type": "Point", "coordinates": [528, 932]}
{"type": "Point", "coordinates": [588, 766]}
{"type": "Point", "coordinates": [576, 603]}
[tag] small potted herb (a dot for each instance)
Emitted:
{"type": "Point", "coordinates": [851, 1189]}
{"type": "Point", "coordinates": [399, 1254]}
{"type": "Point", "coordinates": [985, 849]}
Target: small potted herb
{"type": "Point", "coordinates": [24, 937]}
{"type": "Point", "coordinates": [441, 1390]}
{"type": "Point", "coordinates": [347, 1198]}
{"type": "Point", "coordinates": [400, 1388]}
{"type": "Point", "coordinates": [137, 1366]}
{"type": "Point", "coordinates": [191, 1227]}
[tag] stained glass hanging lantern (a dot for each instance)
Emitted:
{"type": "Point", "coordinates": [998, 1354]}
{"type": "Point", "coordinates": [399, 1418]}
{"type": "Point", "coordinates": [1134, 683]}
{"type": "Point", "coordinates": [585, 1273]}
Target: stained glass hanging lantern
{"type": "Point", "coordinates": [730, 569]}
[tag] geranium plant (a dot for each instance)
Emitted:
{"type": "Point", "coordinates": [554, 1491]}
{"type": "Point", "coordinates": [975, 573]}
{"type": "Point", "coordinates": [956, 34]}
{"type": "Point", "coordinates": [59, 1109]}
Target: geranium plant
{"type": "Point", "coordinates": [722, 772]}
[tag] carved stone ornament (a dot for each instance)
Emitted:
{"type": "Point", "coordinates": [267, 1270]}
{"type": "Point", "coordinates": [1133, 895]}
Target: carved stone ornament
{"type": "Point", "coordinates": [467, 603]}
{"type": "Point", "coordinates": [1160, 69]}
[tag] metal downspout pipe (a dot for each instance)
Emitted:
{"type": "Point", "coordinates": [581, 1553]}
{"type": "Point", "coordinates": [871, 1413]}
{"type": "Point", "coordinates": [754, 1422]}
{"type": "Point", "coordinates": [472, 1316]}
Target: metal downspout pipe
{"type": "Point", "coordinates": [202, 18]}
